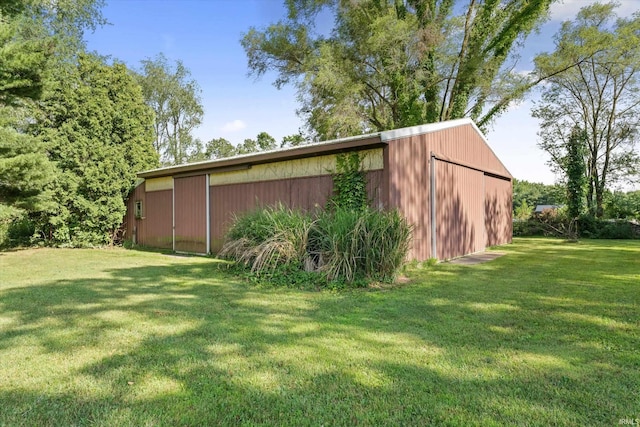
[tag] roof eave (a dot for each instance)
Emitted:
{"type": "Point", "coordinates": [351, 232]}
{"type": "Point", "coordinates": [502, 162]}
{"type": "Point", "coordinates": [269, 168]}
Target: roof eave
{"type": "Point", "coordinates": [222, 165]}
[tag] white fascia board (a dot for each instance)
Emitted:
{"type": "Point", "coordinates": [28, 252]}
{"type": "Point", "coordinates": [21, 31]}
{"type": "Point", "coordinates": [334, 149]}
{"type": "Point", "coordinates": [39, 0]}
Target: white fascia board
{"type": "Point", "coordinates": [390, 135]}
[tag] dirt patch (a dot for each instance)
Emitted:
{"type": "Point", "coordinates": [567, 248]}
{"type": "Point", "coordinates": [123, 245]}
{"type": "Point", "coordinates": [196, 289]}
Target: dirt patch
{"type": "Point", "coordinates": [478, 258]}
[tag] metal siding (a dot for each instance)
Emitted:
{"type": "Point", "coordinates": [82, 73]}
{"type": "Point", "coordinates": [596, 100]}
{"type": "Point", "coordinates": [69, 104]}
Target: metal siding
{"type": "Point", "coordinates": [465, 145]}
{"type": "Point", "coordinates": [130, 224]}
{"type": "Point", "coordinates": [407, 177]}
{"type": "Point", "coordinates": [498, 209]}
{"type": "Point", "coordinates": [156, 227]}
{"type": "Point", "coordinates": [190, 214]}
{"type": "Point", "coordinates": [308, 194]}
{"type": "Point", "coordinates": [459, 210]}
{"type": "Point", "coordinates": [406, 185]}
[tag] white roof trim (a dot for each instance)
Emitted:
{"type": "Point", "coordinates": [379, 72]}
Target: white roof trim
{"type": "Point", "coordinates": [428, 128]}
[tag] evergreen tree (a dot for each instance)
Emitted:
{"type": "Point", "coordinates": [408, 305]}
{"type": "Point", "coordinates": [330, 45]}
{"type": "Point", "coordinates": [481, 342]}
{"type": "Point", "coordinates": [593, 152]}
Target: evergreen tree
{"type": "Point", "coordinates": [99, 132]}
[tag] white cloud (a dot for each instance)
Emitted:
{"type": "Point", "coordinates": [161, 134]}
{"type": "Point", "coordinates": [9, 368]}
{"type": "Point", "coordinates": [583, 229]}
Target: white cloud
{"type": "Point", "coordinates": [234, 126]}
{"type": "Point", "coordinates": [568, 9]}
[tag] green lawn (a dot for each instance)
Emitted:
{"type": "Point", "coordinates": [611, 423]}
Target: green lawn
{"type": "Point", "coordinates": [547, 335]}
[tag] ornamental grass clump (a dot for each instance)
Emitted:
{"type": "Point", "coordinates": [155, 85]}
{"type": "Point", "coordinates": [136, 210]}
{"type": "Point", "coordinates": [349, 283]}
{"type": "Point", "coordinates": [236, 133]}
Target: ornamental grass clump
{"type": "Point", "coordinates": [268, 238]}
{"type": "Point", "coordinates": [340, 246]}
{"type": "Point", "coordinates": [360, 244]}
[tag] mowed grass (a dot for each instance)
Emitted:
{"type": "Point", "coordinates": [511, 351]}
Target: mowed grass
{"type": "Point", "coordinates": [548, 334]}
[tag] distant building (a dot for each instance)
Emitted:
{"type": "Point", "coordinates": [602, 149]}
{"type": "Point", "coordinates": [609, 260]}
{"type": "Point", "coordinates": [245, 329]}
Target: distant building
{"type": "Point", "coordinates": [541, 208]}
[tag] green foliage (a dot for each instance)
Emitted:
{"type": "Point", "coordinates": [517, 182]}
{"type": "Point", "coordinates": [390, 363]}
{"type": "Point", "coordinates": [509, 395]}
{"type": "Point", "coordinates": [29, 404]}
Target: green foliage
{"type": "Point", "coordinates": [36, 35]}
{"type": "Point", "coordinates": [533, 193]}
{"type": "Point", "coordinates": [265, 141]}
{"type": "Point", "coordinates": [268, 238]}
{"type": "Point", "coordinates": [99, 132]}
{"type": "Point", "coordinates": [349, 183]}
{"type": "Point", "coordinates": [620, 205]}
{"type": "Point", "coordinates": [16, 228]}
{"type": "Point", "coordinates": [585, 226]}
{"type": "Point", "coordinates": [388, 64]}
{"type": "Point", "coordinates": [576, 169]}
{"type": "Point", "coordinates": [347, 247]}
{"type": "Point", "coordinates": [219, 148]}
{"type": "Point", "coordinates": [175, 98]}
{"type": "Point", "coordinates": [598, 95]}
{"type": "Point", "coordinates": [294, 140]}
{"type": "Point", "coordinates": [361, 244]}
{"type": "Point", "coordinates": [524, 211]}
{"type": "Point", "coordinates": [26, 173]}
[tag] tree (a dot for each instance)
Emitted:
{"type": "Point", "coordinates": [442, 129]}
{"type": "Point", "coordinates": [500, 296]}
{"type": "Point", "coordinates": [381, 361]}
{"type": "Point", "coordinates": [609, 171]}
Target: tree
{"type": "Point", "coordinates": [33, 33]}
{"type": "Point", "coordinates": [620, 205]}
{"type": "Point", "coordinates": [293, 140]}
{"type": "Point", "coordinates": [523, 211]}
{"type": "Point", "coordinates": [599, 95]}
{"type": "Point", "coordinates": [99, 133]}
{"type": "Point", "coordinates": [219, 148]}
{"type": "Point", "coordinates": [576, 169]}
{"type": "Point", "coordinates": [265, 141]}
{"type": "Point", "coordinates": [534, 193]}
{"type": "Point", "coordinates": [248, 146]}
{"type": "Point", "coordinates": [388, 64]}
{"type": "Point", "coordinates": [37, 39]}
{"type": "Point", "coordinates": [175, 99]}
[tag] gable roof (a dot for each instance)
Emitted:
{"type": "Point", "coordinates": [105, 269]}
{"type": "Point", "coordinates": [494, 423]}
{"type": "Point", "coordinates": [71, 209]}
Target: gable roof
{"type": "Point", "coordinates": [340, 145]}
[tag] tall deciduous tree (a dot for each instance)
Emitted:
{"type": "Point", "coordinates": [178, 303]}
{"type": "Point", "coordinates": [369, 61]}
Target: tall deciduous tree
{"type": "Point", "coordinates": [600, 95]}
{"type": "Point", "coordinates": [175, 98]}
{"type": "Point", "coordinates": [219, 148]}
{"type": "Point", "coordinates": [394, 63]}
{"type": "Point", "coordinates": [99, 132]}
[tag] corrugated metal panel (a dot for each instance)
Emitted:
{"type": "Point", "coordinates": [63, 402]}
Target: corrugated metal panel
{"type": "Point", "coordinates": [307, 194]}
{"type": "Point", "coordinates": [156, 229]}
{"type": "Point", "coordinates": [130, 224]}
{"type": "Point", "coordinates": [459, 210]}
{"type": "Point", "coordinates": [498, 209]}
{"type": "Point", "coordinates": [158, 184]}
{"type": "Point", "coordinates": [463, 144]}
{"type": "Point", "coordinates": [407, 180]}
{"type": "Point", "coordinates": [298, 168]}
{"type": "Point", "coordinates": [190, 209]}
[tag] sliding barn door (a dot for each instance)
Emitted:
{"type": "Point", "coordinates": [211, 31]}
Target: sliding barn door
{"type": "Point", "coordinates": [190, 214]}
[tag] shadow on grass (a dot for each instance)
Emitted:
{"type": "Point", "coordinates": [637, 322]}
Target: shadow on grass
{"type": "Point", "coordinates": [512, 341]}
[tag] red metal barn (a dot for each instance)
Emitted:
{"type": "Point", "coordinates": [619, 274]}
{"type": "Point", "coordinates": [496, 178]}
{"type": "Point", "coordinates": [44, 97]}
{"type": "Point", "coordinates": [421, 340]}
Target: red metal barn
{"type": "Point", "coordinates": [443, 177]}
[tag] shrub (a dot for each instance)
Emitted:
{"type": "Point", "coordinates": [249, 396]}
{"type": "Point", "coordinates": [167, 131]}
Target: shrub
{"type": "Point", "coordinates": [16, 228]}
{"type": "Point", "coordinates": [269, 237]}
{"type": "Point", "coordinates": [345, 246]}
{"type": "Point", "coordinates": [351, 245]}
{"type": "Point", "coordinates": [616, 230]}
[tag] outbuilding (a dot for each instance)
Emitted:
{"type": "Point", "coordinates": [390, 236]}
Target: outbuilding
{"type": "Point", "coordinates": [443, 177]}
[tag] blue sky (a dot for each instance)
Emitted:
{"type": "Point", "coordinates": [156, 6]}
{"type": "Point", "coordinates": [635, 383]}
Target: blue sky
{"type": "Point", "coordinates": [205, 35]}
